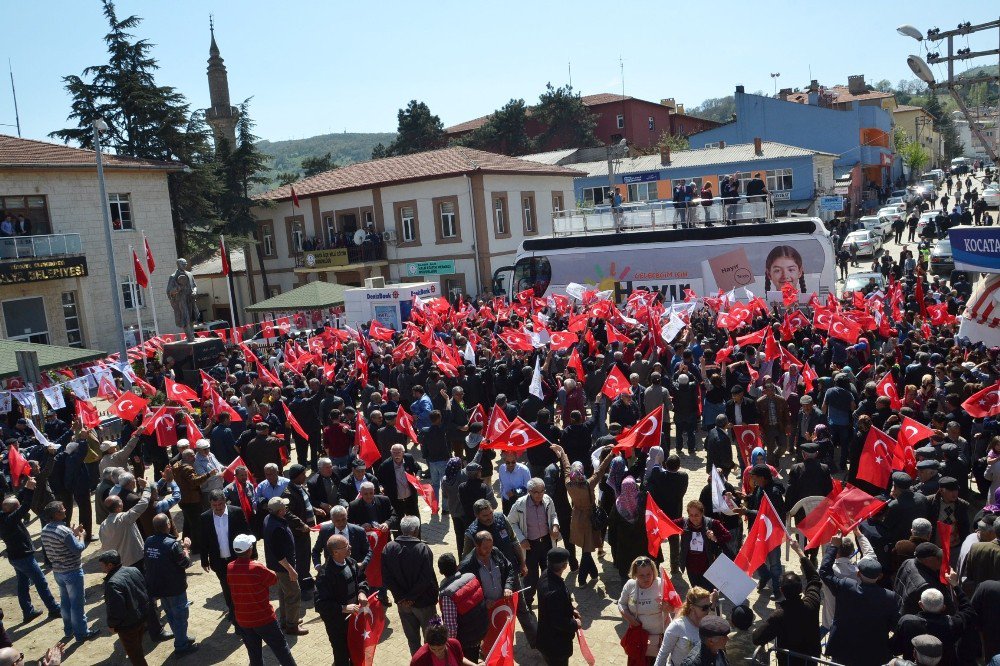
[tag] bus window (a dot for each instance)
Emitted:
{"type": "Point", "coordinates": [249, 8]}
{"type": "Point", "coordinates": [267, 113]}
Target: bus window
{"type": "Point", "coordinates": [532, 273]}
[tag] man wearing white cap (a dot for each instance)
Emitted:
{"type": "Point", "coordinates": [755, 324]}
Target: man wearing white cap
{"type": "Point", "coordinates": [204, 462]}
{"type": "Point", "coordinates": [112, 457]}
{"type": "Point", "coordinates": [256, 622]}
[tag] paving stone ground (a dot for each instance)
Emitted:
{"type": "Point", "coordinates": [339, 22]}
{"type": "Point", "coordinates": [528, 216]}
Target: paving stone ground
{"type": "Point", "coordinates": [219, 645]}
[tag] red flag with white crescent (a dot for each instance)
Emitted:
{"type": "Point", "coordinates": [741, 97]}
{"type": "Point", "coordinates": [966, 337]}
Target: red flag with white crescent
{"type": "Point", "coordinates": [367, 450]}
{"type": "Point", "coordinates": [377, 539]}
{"type": "Point", "coordinates": [426, 491]}
{"type": "Point", "coordinates": [128, 406]}
{"type": "Point", "coordinates": [765, 535]}
{"type": "Point", "coordinates": [659, 527]}
{"type": "Point", "coordinates": [644, 434]}
{"type": "Point", "coordinates": [497, 423]}
{"type": "Point", "coordinates": [615, 384]}
{"type": "Point", "coordinates": [364, 631]}
{"type": "Point", "coordinates": [404, 424]}
{"type": "Point", "coordinates": [179, 392]}
{"type": "Point", "coordinates": [984, 403]}
{"type": "Point", "coordinates": [875, 465]}
{"type": "Point", "coordinates": [518, 437]}
{"type": "Point", "coordinates": [669, 592]}
{"type": "Point", "coordinates": [748, 438]}
{"type": "Point", "coordinates": [18, 466]}
{"type": "Point", "coordinates": [505, 610]}
{"type": "Point", "coordinates": [294, 422]}
{"type": "Point", "coordinates": [887, 387]}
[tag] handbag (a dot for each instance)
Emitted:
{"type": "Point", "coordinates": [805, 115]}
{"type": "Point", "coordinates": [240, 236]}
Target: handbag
{"type": "Point", "coordinates": [598, 519]}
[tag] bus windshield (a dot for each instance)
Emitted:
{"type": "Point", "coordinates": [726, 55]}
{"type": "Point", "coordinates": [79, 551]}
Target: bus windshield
{"type": "Point", "coordinates": [532, 273]}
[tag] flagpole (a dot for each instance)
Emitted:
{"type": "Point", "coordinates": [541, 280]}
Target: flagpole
{"type": "Point", "coordinates": [138, 306]}
{"type": "Point", "coordinates": [229, 286]}
{"type": "Point", "coordinates": [149, 276]}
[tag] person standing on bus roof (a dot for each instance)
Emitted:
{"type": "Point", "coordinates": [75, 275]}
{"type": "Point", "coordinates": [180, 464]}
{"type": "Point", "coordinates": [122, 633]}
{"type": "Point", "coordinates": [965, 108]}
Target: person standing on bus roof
{"type": "Point", "coordinates": [679, 205]}
{"type": "Point", "coordinates": [756, 192]}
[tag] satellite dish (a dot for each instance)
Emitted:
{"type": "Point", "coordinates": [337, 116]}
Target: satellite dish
{"type": "Point", "coordinates": [359, 236]}
{"type": "Point", "coordinates": [920, 68]}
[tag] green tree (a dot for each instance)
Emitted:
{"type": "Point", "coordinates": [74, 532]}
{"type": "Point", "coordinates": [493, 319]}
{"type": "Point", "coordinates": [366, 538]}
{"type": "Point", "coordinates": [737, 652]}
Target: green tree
{"type": "Point", "coordinates": [379, 151]}
{"type": "Point", "coordinates": [314, 165]}
{"type": "Point", "coordinates": [287, 177]}
{"type": "Point", "coordinates": [504, 132]}
{"type": "Point", "coordinates": [943, 123]}
{"type": "Point", "coordinates": [145, 120]}
{"type": "Point", "coordinates": [419, 130]}
{"type": "Point", "coordinates": [567, 121]}
{"type": "Point", "coordinates": [719, 109]}
{"type": "Point", "coordinates": [914, 157]}
{"type": "Point", "coordinates": [673, 142]}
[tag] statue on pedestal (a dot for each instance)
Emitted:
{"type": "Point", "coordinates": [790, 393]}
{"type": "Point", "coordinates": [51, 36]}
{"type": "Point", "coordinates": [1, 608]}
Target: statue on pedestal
{"type": "Point", "coordinates": [181, 290]}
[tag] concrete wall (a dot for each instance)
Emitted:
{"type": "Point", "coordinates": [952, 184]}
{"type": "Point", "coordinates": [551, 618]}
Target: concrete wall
{"type": "Point", "coordinates": [72, 197]}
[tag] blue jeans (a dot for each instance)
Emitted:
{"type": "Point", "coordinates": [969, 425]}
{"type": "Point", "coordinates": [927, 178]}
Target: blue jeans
{"type": "Point", "coordinates": [772, 570]}
{"type": "Point", "coordinates": [437, 474]}
{"type": "Point", "coordinates": [71, 599]}
{"type": "Point", "coordinates": [176, 610]}
{"type": "Point", "coordinates": [270, 634]}
{"type": "Point", "coordinates": [28, 573]}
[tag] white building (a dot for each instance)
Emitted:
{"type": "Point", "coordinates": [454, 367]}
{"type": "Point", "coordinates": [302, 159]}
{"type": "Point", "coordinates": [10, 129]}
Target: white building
{"type": "Point", "coordinates": [465, 209]}
{"type": "Point", "coordinates": [54, 280]}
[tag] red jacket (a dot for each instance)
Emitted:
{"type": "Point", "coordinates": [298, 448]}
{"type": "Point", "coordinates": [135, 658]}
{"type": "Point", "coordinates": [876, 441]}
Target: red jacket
{"type": "Point", "coordinates": [423, 657]}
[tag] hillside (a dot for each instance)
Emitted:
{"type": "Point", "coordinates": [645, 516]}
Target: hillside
{"type": "Point", "coordinates": [346, 148]}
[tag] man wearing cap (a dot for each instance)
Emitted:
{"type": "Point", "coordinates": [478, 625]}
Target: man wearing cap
{"type": "Point", "coordinates": [865, 612]}
{"type": "Point", "coordinates": [713, 633]}
{"type": "Point", "coordinates": [893, 522]}
{"type": "Point", "coordinates": [250, 581]}
{"type": "Point", "coordinates": [921, 531]}
{"type": "Point", "coordinates": [739, 410]}
{"type": "Point", "coordinates": [126, 602]}
{"type": "Point", "coordinates": [948, 508]}
{"type": "Point", "coordinates": [388, 435]}
{"type": "Point", "coordinates": [809, 478]}
{"type": "Point", "coordinates": [920, 573]}
{"type": "Point", "coordinates": [204, 463]}
{"type": "Point", "coordinates": [763, 485]}
{"type": "Point", "coordinates": [808, 418]}
{"type": "Point", "coordinates": [301, 516]}
{"type": "Point", "coordinates": [350, 486]}
{"type": "Point", "coordinates": [719, 446]}
{"type": "Point", "coordinates": [794, 625]}
{"type": "Point", "coordinates": [932, 619]}
{"type": "Point", "coordinates": [112, 456]}
{"type": "Point", "coordinates": [556, 613]}
{"type": "Point", "coordinates": [929, 478]}
{"type": "Point", "coordinates": [279, 554]}
{"type": "Point", "coordinates": [190, 484]}
{"type": "Point", "coordinates": [219, 526]}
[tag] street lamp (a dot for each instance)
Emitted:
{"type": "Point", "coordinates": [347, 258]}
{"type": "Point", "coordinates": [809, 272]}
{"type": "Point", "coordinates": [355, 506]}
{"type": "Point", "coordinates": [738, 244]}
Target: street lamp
{"type": "Point", "coordinates": [101, 126]}
{"type": "Point", "coordinates": [908, 30]}
{"type": "Point", "coordinates": [774, 77]}
{"type": "Point", "coordinates": [920, 68]}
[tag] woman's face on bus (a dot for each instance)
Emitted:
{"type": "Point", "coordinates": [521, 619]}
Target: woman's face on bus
{"type": "Point", "coordinates": [784, 271]}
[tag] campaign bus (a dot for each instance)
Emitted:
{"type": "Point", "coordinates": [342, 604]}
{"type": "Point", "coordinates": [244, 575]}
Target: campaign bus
{"type": "Point", "coordinates": [760, 257]}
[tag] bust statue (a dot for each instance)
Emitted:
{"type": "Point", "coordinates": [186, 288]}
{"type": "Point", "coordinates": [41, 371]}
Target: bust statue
{"type": "Point", "coordinates": [181, 290]}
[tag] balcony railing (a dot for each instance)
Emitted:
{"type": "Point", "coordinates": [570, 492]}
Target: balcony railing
{"type": "Point", "coordinates": [51, 245]}
{"type": "Point", "coordinates": [657, 215]}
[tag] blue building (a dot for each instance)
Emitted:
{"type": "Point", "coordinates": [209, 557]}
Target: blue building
{"type": "Point", "coordinates": [794, 176]}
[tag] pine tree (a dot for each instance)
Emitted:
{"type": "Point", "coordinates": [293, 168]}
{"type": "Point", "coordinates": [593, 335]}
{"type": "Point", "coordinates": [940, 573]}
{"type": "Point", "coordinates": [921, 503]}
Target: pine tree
{"type": "Point", "coordinates": [314, 165]}
{"type": "Point", "coordinates": [504, 132]}
{"type": "Point", "coordinates": [567, 121]}
{"type": "Point", "coordinates": [419, 130]}
{"type": "Point", "coordinates": [943, 123]}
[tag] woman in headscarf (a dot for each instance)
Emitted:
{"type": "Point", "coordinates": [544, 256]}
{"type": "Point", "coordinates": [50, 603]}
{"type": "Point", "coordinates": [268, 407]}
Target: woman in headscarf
{"type": "Point", "coordinates": [583, 533]}
{"type": "Point", "coordinates": [627, 527]}
{"type": "Point", "coordinates": [654, 459]}
{"type": "Point", "coordinates": [454, 476]}
{"type": "Point", "coordinates": [758, 455]}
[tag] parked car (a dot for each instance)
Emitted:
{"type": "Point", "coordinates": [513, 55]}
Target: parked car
{"type": "Point", "coordinates": [937, 175]}
{"type": "Point", "coordinates": [991, 196]}
{"type": "Point", "coordinates": [859, 281]}
{"type": "Point", "coordinates": [941, 261]}
{"type": "Point", "coordinates": [892, 213]}
{"type": "Point", "coordinates": [869, 242]}
{"type": "Point", "coordinates": [924, 219]}
{"type": "Point", "coordinates": [876, 224]}
{"type": "Point", "coordinates": [895, 201]}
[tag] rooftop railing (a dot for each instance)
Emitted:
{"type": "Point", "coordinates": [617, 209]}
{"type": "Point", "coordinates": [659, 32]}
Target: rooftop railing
{"type": "Point", "coordinates": [658, 215]}
{"type": "Point", "coordinates": [51, 245]}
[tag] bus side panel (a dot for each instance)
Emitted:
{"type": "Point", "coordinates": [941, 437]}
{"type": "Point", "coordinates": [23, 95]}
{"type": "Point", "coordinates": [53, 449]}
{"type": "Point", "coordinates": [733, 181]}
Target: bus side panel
{"type": "Point", "coordinates": [762, 266]}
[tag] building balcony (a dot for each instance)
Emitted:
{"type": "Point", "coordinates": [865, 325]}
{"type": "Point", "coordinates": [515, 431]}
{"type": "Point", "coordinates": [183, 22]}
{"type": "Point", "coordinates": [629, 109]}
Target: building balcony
{"type": "Point", "coordinates": [30, 247]}
{"type": "Point", "coordinates": [653, 215]}
{"type": "Point", "coordinates": [340, 258]}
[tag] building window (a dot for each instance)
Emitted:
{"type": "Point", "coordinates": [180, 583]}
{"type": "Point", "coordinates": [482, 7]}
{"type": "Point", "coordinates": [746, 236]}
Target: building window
{"type": "Point", "coordinates": [500, 215]}
{"type": "Point", "coordinates": [448, 229]}
{"type": "Point", "coordinates": [275, 291]}
{"type": "Point", "coordinates": [121, 212]}
{"type": "Point", "coordinates": [71, 317]}
{"type": "Point", "coordinates": [652, 123]}
{"type": "Point", "coordinates": [297, 237]}
{"type": "Point", "coordinates": [621, 121]}
{"type": "Point", "coordinates": [685, 181]}
{"type": "Point", "coordinates": [34, 211]}
{"type": "Point", "coordinates": [642, 192]}
{"type": "Point", "coordinates": [131, 294]}
{"type": "Point", "coordinates": [595, 196]}
{"type": "Point", "coordinates": [528, 213]}
{"type": "Point", "coordinates": [743, 177]}
{"type": "Point", "coordinates": [557, 202]}
{"type": "Point", "coordinates": [779, 180]}
{"type": "Point", "coordinates": [409, 221]}
{"type": "Point", "coordinates": [24, 320]}
{"type": "Point", "coordinates": [369, 219]}
{"type": "Point", "coordinates": [266, 237]}
{"type": "Point", "coordinates": [331, 229]}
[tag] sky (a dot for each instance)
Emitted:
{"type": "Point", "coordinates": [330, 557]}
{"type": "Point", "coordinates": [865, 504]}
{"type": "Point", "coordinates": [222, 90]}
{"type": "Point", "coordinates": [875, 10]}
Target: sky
{"type": "Point", "coordinates": [316, 67]}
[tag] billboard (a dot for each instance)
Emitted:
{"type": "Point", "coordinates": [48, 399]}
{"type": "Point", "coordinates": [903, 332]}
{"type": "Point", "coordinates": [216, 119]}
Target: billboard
{"type": "Point", "coordinates": [976, 248]}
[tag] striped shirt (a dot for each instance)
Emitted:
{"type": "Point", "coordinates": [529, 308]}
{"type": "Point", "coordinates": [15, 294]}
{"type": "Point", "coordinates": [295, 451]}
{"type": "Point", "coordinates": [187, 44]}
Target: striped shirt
{"type": "Point", "coordinates": [249, 581]}
{"type": "Point", "coordinates": [62, 547]}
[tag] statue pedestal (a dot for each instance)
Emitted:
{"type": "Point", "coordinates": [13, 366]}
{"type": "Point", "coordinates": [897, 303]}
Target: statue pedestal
{"type": "Point", "coordinates": [190, 357]}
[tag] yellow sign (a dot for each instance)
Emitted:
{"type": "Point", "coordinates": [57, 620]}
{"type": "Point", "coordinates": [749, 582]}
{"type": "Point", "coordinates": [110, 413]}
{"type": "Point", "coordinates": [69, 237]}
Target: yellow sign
{"type": "Point", "coordinates": [326, 258]}
{"type": "Point", "coordinates": [40, 270]}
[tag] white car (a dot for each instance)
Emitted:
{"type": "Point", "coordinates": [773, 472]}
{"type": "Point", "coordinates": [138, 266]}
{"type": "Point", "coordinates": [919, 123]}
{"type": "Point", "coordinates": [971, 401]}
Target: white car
{"type": "Point", "coordinates": [924, 219]}
{"type": "Point", "coordinates": [880, 224]}
{"type": "Point", "coordinates": [869, 243]}
{"type": "Point", "coordinates": [991, 196]}
{"type": "Point", "coordinates": [895, 201]}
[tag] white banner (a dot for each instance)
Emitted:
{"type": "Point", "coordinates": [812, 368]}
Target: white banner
{"type": "Point", "coordinates": [54, 396]}
{"type": "Point", "coordinates": [5, 400]}
{"type": "Point", "coordinates": [80, 387]}
{"type": "Point", "coordinates": [27, 400]}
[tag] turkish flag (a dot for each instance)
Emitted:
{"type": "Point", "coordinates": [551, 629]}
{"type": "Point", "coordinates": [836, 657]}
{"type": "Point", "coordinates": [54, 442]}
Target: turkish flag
{"type": "Point", "coordinates": [766, 534]}
{"type": "Point", "coordinates": [106, 389]}
{"type": "Point", "coordinates": [128, 406]}
{"type": "Point", "coordinates": [844, 329]}
{"type": "Point", "coordinates": [875, 465]}
{"type": "Point", "coordinates": [141, 278]}
{"type": "Point", "coordinates": [165, 425]}
{"type": "Point", "coordinates": [788, 358]}
{"type": "Point", "coordinates": [517, 340]}
{"type": "Point", "coordinates": [669, 593]}
{"type": "Point", "coordinates": [887, 387]}
{"type": "Point", "coordinates": [938, 314]}
{"type": "Point", "coordinates": [659, 527]}
{"type": "Point", "coordinates": [798, 320]}
{"type": "Point", "coordinates": [219, 406]}
{"type": "Point", "coordinates": [772, 349]}
{"type": "Point", "coordinates": [18, 465]}
{"type": "Point", "coordinates": [789, 294]}
{"type": "Point", "coordinates": [822, 318]}
{"type": "Point", "coordinates": [747, 438]}
{"type": "Point", "coordinates": [585, 652]}
{"type": "Point", "coordinates": [364, 631]}
{"type": "Point", "coordinates": [377, 539]}
{"type": "Point", "coordinates": [87, 413]}
{"type": "Point", "coordinates": [808, 377]}
{"type": "Point", "coordinates": [191, 429]}
{"type": "Point", "coordinates": [229, 473]}
{"type": "Point", "coordinates": [179, 392]}
{"type": "Point", "coordinates": [498, 624]}
{"type": "Point", "coordinates": [502, 652]}
{"type": "Point", "coordinates": [588, 337]}
{"type": "Point", "coordinates": [405, 350]}
{"type": "Point", "coordinates": [576, 364]}
{"type": "Point", "coordinates": [270, 378]}
{"type": "Point", "coordinates": [912, 432]}
{"type": "Point", "coordinates": [518, 437]}
{"type": "Point", "coordinates": [853, 505]}
{"type": "Point", "coordinates": [294, 422]}
{"type": "Point", "coordinates": [723, 355]}
{"type": "Point", "coordinates": [478, 415]}
{"type": "Point", "coordinates": [447, 369]}
{"type": "Point", "coordinates": [727, 321]}
{"type": "Point", "coordinates": [615, 336]}
{"type": "Point", "coordinates": [563, 340]}
{"type": "Point", "coordinates": [754, 338]}
{"type": "Point", "coordinates": [245, 502]}
{"type": "Point", "coordinates": [149, 257]}
{"type": "Point", "coordinates": [497, 424]}
{"type": "Point", "coordinates": [644, 434]}
{"type": "Point", "coordinates": [380, 332]}
{"type": "Point", "coordinates": [944, 539]}
{"type": "Point", "coordinates": [984, 403]}
{"type": "Point", "coordinates": [367, 450]}
{"type": "Point", "coordinates": [615, 384]}
{"type": "Point", "coordinates": [426, 491]}
{"type": "Point", "coordinates": [404, 423]}
{"type": "Point", "coordinates": [818, 526]}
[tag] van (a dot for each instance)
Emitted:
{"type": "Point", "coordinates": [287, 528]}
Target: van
{"type": "Point", "coordinates": [961, 165]}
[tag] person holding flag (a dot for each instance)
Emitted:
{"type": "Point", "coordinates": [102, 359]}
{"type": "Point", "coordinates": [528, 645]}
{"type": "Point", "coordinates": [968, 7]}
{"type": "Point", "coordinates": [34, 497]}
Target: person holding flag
{"type": "Point", "coordinates": [439, 649]}
{"type": "Point", "coordinates": [583, 533]}
{"type": "Point", "coordinates": [767, 494]}
{"type": "Point", "coordinates": [341, 593]}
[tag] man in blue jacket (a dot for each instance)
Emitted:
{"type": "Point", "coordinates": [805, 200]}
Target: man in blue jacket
{"type": "Point", "coordinates": [165, 562]}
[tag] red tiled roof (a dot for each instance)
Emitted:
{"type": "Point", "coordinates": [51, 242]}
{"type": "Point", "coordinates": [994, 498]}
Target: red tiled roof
{"type": "Point", "coordinates": [442, 163]}
{"type": "Point", "coordinates": [588, 100]}
{"type": "Point", "coordinates": [841, 95]}
{"type": "Point", "coordinates": [16, 152]}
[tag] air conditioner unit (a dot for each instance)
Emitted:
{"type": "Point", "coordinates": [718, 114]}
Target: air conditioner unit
{"type": "Point", "coordinates": [389, 236]}
{"type": "Point", "coordinates": [375, 283]}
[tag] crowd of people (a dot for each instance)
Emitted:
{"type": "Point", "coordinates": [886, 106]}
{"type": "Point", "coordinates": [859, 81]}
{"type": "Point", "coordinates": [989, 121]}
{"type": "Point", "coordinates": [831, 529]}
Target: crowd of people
{"type": "Point", "coordinates": [300, 471]}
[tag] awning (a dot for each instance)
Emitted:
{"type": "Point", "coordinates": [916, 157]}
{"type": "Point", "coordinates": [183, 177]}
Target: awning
{"type": "Point", "coordinates": [785, 206]}
{"type": "Point", "coordinates": [50, 357]}
{"type": "Point", "coordinates": [313, 296]}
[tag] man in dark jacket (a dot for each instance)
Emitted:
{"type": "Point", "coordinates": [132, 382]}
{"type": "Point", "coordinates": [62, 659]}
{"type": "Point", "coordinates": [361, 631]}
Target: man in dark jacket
{"type": "Point", "coordinates": [895, 520]}
{"type": "Point", "coordinates": [408, 572]}
{"type": "Point", "coordinates": [370, 510]}
{"type": "Point", "coordinates": [740, 410]}
{"type": "Point", "coordinates": [126, 602]}
{"type": "Point", "coordinates": [555, 611]}
{"type": "Point", "coordinates": [667, 488]}
{"type": "Point", "coordinates": [865, 613]}
{"type": "Point", "coordinates": [624, 411]}
{"type": "Point", "coordinates": [219, 526]}
{"type": "Point", "coordinates": [391, 476]}
{"type": "Point", "coordinates": [763, 485]}
{"type": "Point", "coordinates": [361, 551]}
{"type": "Point", "coordinates": [684, 395]}
{"type": "Point", "coordinates": [165, 565]}
{"type": "Point", "coordinates": [341, 590]}
{"type": "Point", "coordinates": [463, 606]}
{"type": "Point", "coordinates": [324, 487]}
{"type": "Point", "coordinates": [301, 517]}
{"type": "Point", "coordinates": [713, 635]}
{"type": "Point", "coordinates": [279, 554]}
{"type": "Point", "coordinates": [719, 445]}
{"type": "Point", "coordinates": [920, 573]}
{"type": "Point", "coordinates": [21, 553]}
{"type": "Point", "coordinates": [350, 485]}
{"type": "Point", "coordinates": [933, 619]}
{"type": "Point", "coordinates": [794, 625]}
{"type": "Point", "coordinates": [809, 478]}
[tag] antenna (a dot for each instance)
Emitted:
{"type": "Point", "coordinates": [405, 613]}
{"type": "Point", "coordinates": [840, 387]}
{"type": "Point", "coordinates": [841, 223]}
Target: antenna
{"type": "Point", "coordinates": [621, 66]}
{"type": "Point", "coordinates": [17, 117]}
{"type": "Point", "coordinates": [211, 22]}
{"type": "Point", "coordinates": [569, 67]}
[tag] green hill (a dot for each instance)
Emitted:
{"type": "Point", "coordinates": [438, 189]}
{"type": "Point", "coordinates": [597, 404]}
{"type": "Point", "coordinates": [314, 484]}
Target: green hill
{"type": "Point", "coordinates": [346, 148]}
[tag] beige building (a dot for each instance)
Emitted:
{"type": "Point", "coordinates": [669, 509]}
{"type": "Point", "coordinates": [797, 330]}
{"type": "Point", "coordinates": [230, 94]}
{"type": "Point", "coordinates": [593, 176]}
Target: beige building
{"type": "Point", "coordinates": [918, 124]}
{"type": "Point", "coordinates": [54, 276]}
{"type": "Point", "coordinates": [453, 215]}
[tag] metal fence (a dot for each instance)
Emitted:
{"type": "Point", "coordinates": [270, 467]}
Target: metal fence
{"type": "Point", "coordinates": [23, 247]}
{"type": "Point", "coordinates": [658, 215]}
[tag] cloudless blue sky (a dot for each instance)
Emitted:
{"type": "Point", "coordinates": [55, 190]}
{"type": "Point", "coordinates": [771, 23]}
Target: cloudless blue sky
{"type": "Point", "coordinates": [315, 66]}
